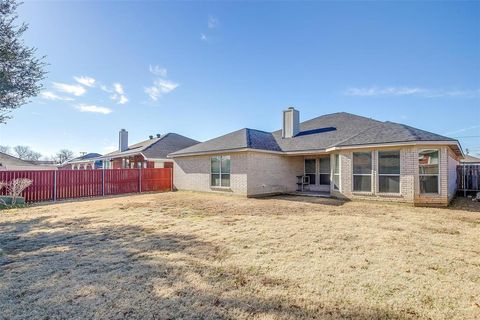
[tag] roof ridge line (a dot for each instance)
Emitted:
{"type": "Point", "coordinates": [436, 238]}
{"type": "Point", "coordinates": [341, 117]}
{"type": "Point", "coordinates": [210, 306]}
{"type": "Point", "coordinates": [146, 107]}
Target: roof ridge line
{"type": "Point", "coordinates": [247, 137]}
{"type": "Point", "coordinates": [159, 139]}
{"type": "Point", "coordinates": [355, 135]}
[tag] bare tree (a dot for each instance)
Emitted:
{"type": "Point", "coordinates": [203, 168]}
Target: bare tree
{"type": "Point", "coordinates": [21, 72]}
{"type": "Point", "coordinates": [5, 149]}
{"type": "Point", "coordinates": [64, 155]}
{"type": "Point", "coordinates": [15, 188]}
{"type": "Point", "coordinates": [25, 153]}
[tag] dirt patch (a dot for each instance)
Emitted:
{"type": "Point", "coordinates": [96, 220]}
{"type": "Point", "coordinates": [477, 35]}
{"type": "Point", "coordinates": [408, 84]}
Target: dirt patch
{"type": "Point", "coordinates": [204, 256]}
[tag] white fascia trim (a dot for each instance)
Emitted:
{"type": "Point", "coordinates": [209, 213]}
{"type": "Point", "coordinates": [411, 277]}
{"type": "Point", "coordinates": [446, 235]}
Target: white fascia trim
{"type": "Point", "coordinates": [394, 144]}
{"type": "Point", "coordinates": [121, 155]}
{"type": "Point", "coordinates": [322, 151]}
{"type": "Point", "coordinates": [154, 159]}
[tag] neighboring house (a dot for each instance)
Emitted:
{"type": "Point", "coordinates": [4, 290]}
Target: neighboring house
{"type": "Point", "coordinates": [345, 155]}
{"type": "Point", "coordinates": [50, 164]}
{"type": "Point", "coordinates": [469, 160]}
{"type": "Point", "coordinates": [151, 153]}
{"type": "Point", "coordinates": [89, 161]}
{"type": "Point", "coordinates": [8, 162]}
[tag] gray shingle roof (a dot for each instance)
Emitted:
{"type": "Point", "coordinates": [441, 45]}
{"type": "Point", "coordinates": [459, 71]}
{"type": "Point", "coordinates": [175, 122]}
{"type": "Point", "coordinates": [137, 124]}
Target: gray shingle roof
{"type": "Point", "coordinates": [8, 160]}
{"type": "Point", "coordinates": [240, 139]}
{"type": "Point", "coordinates": [156, 148]}
{"type": "Point", "coordinates": [390, 132]}
{"type": "Point", "coordinates": [336, 129]}
{"type": "Point", "coordinates": [87, 156]}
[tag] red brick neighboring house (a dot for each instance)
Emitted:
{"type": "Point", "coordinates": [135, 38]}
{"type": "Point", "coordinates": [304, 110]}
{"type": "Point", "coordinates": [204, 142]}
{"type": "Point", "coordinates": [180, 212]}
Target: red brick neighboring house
{"type": "Point", "coordinates": [150, 153]}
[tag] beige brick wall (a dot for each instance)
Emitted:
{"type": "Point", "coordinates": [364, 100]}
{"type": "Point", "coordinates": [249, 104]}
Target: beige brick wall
{"type": "Point", "coordinates": [272, 173]}
{"type": "Point", "coordinates": [409, 178]}
{"type": "Point", "coordinates": [193, 173]}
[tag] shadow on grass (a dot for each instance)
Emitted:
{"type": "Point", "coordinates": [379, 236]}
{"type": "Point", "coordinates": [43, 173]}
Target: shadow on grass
{"type": "Point", "coordinates": [76, 269]}
{"type": "Point", "coordinates": [309, 199]}
{"type": "Point", "coordinates": [466, 204]}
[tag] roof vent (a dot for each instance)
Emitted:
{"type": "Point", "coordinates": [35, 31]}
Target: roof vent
{"type": "Point", "coordinates": [151, 137]}
{"type": "Point", "coordinates": [291, 123]}
{"type": "Point", "coordinates": [158, 135]}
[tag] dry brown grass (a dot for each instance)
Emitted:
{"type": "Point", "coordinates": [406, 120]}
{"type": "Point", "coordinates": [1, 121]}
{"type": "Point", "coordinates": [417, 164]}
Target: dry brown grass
{"type": "Point", "coordinates": [196, 256]}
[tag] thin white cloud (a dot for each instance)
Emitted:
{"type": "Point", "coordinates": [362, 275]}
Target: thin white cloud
{"type": "Point", "coordinates": [376, 91]}
{"type": "Point", "coordinates": [93, 108]}
{"type": "Point", "coordinates": [48, 95]}
{"type": "Point", "coordinates": [118, 88]}
{"type": "Point", "coordinates": [410, 91]}
{"type": "Point", "coordinates": [122, 100]}
{"type": "Point", "coordinates": [117, 91]}
{"type": "Point", "coordinates": [212, 22]}
{"type": "Point", "coordinates": [75, 89]}
{"type": "Point", "coordinates": [86, 81]}
{"type": "Point", "coordinates": [463, 130]}
{"type": "Point", "coordinates": [203, 37]}
{"type": "Point", "coordinates": [159, 88]}
{"type": "Point", "coordinates": [158, 71]}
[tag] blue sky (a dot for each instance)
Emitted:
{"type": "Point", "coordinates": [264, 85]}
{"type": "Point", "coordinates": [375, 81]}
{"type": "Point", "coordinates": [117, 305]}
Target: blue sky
{"type": "Point", "coordinates": [205, 69]}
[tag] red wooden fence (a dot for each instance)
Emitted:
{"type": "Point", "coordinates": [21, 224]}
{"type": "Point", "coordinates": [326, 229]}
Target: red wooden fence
{"type": "Point", "coordinates": [52, 185]}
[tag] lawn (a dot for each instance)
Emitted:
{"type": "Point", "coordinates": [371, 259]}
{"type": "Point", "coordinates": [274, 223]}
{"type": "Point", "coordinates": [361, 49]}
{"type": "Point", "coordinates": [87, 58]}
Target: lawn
{"type": "Point", "coordinates": [204, 256]}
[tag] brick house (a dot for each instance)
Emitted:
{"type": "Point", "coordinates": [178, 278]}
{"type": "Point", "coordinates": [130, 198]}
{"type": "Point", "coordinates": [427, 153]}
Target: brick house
{"type": "Point", "coordinates": [88, 161]}
{"type": "Point", "coordinates": [341, 155]}
{"type": "Point", "coordinates": [150, 153]}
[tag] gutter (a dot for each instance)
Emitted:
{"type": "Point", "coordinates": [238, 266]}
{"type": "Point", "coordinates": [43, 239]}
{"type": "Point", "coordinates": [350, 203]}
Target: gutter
{"type": "Point", "coordinates": [323, 151]}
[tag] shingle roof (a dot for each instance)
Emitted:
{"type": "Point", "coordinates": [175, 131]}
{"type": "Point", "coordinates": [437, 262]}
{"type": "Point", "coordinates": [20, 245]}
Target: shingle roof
{"type": "Point", "coordinates": [470, 159]}
{"type": "Point", "coordinates": [87, 156]}
{"type": "Point", "coordinates": [240, 139]}
{"type": "Point", "coordinates": [390, 132]}
{"type": "Point", "coordinates": [324, 131]}
{"type": "Point", "coordinates": [331, 130]}
{"type": "Point", "coordinates": [156, 148]}
{"type": "Point", "coordinates": [8, 160]}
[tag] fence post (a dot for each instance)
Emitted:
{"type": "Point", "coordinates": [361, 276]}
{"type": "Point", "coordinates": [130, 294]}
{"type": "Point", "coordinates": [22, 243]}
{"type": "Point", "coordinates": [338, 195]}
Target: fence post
{"type": "Point", "coordinates": [140, 179]}
{"type": "Point", "coordinates": [103, 180]}
{"type": "Point", "coordinates": [54, 185]}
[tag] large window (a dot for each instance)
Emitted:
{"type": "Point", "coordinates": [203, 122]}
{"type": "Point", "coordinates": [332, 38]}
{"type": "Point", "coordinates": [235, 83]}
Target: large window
{"type": "Point", "coordinates": [325, 171]}
{"type": "Point", "coordinates": [362, 171]}
{"type": "Point", "coordinates": [220, 171]}
{"type": "Point", "coordinates": [336, 173]}
{"type": "Point", "coordinates": [389, 171]}
{"type": "Point", "coordinates": [311, 169]}
{"type": "Point", "coordinates": [428, 166]}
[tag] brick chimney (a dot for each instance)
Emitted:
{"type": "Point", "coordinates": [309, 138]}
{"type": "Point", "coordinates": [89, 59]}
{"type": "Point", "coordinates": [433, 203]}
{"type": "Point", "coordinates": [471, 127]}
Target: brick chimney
{"type": "Point", "coordinates": [291, 123]}
{"type": "Point", "coordinates": [123, 140]}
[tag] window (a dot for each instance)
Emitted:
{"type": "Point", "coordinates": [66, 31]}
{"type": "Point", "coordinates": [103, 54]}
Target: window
{"type": "Point", "coordinates": [311, 170]}
{"type": "Point", "coordinates": [428, 166]}
{"type": "Point", "coordinates": [336, 172]}
{"type": "Point", "coordinates": [389, 171]}
{"type": "Point", "coordinates": [362, 171]}
{"type": "Point", "coordinates": [220, 171]}
{"type": "Point", "coordinates": [325, 171]}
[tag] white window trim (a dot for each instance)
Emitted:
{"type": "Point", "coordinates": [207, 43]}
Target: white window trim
{"type": "Point", "coordinates": [333, 174]}
{"type": "Point", "coordinates": [220, 172]}
{"type": "Point", "coordinates": [363, 174]}
{"type": "Point", "coordinates": [430, 174]}
{"type": "Point", "coordinates": [316, 170]}
{"type": "Point", "coordinates": [388, 175]}
{"type": "Point", "coordinates": [329, 172]}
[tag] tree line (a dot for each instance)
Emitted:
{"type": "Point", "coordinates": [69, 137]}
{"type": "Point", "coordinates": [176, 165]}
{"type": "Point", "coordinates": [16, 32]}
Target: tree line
{"type": "Point", "coordinates": [27, 154]}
